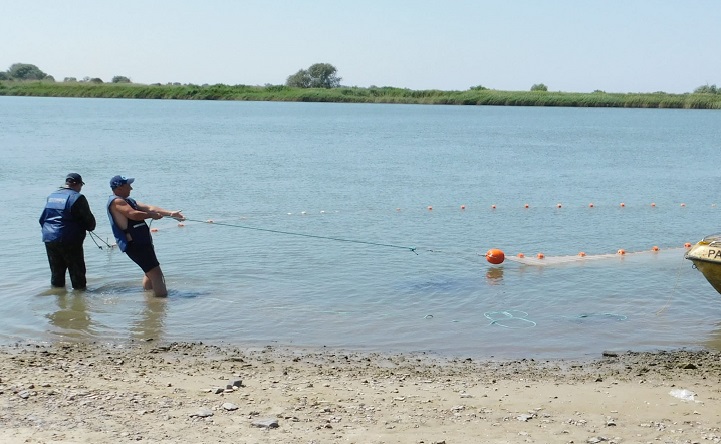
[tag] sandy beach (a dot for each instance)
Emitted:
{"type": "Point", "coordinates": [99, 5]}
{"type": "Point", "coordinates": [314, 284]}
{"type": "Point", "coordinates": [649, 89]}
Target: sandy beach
{"type": "Point", "coordinates": [195, 393]}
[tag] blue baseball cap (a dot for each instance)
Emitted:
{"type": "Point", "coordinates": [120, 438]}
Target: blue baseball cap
{"type": "Point", "coordinates": [118, 181]}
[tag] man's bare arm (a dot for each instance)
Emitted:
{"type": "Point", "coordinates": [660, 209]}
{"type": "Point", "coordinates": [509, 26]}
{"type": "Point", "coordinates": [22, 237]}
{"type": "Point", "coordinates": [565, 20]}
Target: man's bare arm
{"type": "Point", "coordinates": [143, 212]}
{"type": "Point", "coordinates": [152, 209]}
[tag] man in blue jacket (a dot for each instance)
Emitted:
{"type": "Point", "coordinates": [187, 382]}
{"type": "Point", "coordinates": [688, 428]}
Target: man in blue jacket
{"type": "Point", "coordinates": [64, 221]}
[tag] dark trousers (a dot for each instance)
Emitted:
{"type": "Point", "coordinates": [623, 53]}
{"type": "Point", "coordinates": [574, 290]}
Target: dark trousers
{"type": "Point", "coordinates": [62, 257]}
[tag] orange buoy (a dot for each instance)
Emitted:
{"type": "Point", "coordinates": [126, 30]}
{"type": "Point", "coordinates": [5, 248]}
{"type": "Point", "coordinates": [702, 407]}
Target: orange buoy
{"type": "Point", "coordinates": [209, 221]}
{"type": "Point", "coordinates": [590, 205]}
{"type": "Point", "coordinates": [687, 245]}
{"type": "Point", "coordinates": [582, 254]}
{"type": "Point", "coordinates": [558, 205]}
{"type": "Point", "coordinates": [621, 251]}
{"type": "Point", "coordinates": [525, 206]}
{"type": "Point", "coordinates": [430, 208]}
{"type": "Point", "coordinates": [154, 230]}
{"type": "Point", "coordinates": [623, 204]}
{"type": "Point", "coordinates": [540, 256]}
{"type": "Point", "coordinates": [653, 204]}
{"type": "Point", "coordinates": [180, 224]}
{"type": "Point", "coordinates": [521, 255]}
{"type": "Point", "coordinates": [495, 256]}
{"type": "Point", "coordinates": [655, 248]}
{"type": "Point", "coordinates": [463, 207]}
{"type": "Point", "coordinates": [683, 204]}
{"type": "Point", "coordinates": [493, 207]}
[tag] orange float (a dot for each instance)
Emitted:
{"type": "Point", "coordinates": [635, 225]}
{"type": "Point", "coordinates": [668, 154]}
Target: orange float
{"type": "Point", "coordinates": [495, 256]}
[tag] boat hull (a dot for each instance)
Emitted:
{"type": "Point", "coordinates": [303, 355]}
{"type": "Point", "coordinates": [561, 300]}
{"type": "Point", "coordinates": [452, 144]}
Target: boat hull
{"type": "Point", "coordinates": [706, 256]}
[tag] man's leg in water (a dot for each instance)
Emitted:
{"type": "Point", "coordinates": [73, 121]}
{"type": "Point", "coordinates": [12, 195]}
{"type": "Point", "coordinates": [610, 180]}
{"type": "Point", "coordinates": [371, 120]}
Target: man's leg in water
{"type": "Point", "coordinates": [154, 280]}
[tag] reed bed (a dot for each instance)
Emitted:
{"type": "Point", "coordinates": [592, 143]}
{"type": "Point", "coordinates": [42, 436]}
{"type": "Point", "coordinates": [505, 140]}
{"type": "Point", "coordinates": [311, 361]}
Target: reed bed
{"type": "Point", "coordinates": [360, 95]}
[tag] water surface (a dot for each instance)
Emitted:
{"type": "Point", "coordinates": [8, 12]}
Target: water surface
{"type": "Point", "coordinates": [341, 173]}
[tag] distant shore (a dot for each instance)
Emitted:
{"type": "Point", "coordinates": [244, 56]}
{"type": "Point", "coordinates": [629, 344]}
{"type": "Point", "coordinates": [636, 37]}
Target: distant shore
{"type": "Point", "coordinates": [91, 393]}
{"type": "Point", "coordinates": [598, 99]}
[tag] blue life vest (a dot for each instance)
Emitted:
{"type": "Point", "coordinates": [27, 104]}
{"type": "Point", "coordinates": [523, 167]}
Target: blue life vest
{"type": "Point", "coordinates": [138, 230]}
{"type": "Point", "coordinates": [57, 220]}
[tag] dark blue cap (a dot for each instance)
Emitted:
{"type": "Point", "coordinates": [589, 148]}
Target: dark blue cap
{"type": "Point", "coordinates": [118, 181]}
{"type": "Point", "coordinates": [74, 178]}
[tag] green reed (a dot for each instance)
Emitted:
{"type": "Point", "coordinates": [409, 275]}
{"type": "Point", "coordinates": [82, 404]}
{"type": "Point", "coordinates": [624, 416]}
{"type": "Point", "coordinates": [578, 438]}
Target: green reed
{"type": "Point", "coordinates": [360, 95]}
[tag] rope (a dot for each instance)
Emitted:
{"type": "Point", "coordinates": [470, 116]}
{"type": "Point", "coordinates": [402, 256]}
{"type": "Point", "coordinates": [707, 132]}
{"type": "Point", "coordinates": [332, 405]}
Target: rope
{"type": "Point", "coordinates": [339, 239]}
{"type": "Point", "coordinates": [507, 315]}
{"type": "Point", "coordinates": [94, 236]}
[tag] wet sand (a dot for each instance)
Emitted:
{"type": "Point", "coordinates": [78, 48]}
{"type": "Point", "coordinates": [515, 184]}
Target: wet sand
{"type": "Point", "coordinates": [195, 393]}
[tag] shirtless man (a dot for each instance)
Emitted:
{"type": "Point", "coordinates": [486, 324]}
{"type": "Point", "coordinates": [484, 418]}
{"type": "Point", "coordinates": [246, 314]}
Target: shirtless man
{"type": "Point", "coordinates": [132, 234]}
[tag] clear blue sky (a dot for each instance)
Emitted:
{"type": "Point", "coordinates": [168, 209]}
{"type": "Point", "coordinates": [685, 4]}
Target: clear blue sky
{"type": "Point", "coordinates": [569, 45]}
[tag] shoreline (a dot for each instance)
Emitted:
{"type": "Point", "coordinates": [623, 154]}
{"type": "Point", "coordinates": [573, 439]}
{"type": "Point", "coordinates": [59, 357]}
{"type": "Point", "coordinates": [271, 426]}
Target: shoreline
{"type": "Point", "coordinates": [361, 95]}
{"type": "Point", "coordinates": [190, 392]}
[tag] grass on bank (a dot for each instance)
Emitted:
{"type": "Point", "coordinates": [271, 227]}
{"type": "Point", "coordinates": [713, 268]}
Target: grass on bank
{"type": "Point", "coordinates": [359, 95]}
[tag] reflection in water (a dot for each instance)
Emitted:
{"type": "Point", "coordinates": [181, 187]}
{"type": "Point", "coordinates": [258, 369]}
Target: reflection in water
{"type": "Point", "coordinates": [494, 275]}
{"type": "Point", "coordinates": [714, 342]}
{"type": "Point", "coordinates": [81, 315]}
{"type": "Point", "coordinates": [72, 318]}
{"type": "Point", "coordinates": [150, 324]}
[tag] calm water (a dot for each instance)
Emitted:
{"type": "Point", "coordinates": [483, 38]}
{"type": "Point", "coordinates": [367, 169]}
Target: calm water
{"type": "Point", "coordinates": [368, 173]}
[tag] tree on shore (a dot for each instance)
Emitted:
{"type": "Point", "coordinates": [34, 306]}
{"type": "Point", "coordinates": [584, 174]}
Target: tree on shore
{"type": "Point", "coordinates": [318, 75]}
{"type": "Point", "coordinates": [707, 89]}
{"type": "Point", "coordinates": [25, 71]}
{"type": "Point", "coordinates": [120, 79]}
{"type": "Point", "coordinates": [539, 87]}
{"type": "Point", "coordinates": [301, 79]}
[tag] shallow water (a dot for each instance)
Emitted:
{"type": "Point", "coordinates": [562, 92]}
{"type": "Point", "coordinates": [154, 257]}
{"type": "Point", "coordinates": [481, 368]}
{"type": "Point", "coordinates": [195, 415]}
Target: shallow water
{"type": "Point", "coordinates": [317, 208]}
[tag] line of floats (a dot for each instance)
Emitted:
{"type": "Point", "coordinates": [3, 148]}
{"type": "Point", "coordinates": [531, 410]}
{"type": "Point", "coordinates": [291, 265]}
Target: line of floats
{"type": "Point", "coordinates": [560, 205]}
{"type": "Point", "coordinates": [497, 256]}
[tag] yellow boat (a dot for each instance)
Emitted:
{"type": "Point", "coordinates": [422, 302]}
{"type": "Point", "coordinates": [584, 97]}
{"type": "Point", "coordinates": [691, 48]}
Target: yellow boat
{"type": "Point", "coordinates": [706, 257]}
